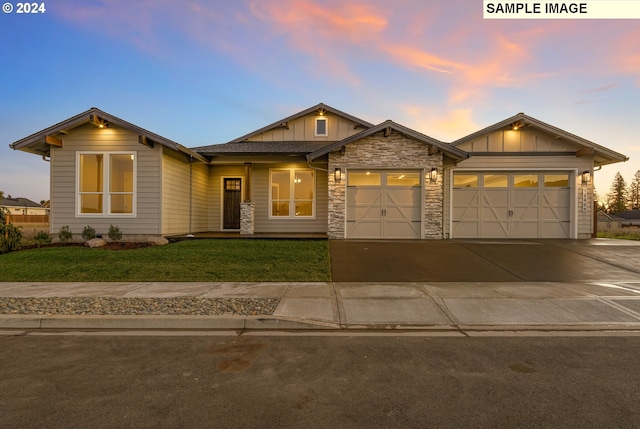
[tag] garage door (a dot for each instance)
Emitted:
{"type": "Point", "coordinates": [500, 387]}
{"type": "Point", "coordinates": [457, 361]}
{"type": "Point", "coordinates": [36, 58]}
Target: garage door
{"type": "Point", "coordinates": [511, 205]}
{"type": "Point", "coordinates": [384, 204]}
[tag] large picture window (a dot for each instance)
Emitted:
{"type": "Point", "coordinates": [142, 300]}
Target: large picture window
{"type": "Point", "coordinates": [292, 193]}
{"type": "Point", "coordinates": [106, 183]}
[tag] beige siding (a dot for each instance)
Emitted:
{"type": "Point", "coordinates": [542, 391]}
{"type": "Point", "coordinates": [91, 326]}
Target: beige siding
{"type": "Point", "coordinates": [260, 188]}
{"type": "Point", "coordinates": [524, 140]}
{"type": "Point", "coordinates": [303, 129]}
{"type": "Point", "coordinates": [184, 211]}
{"type": "Point", "coordinates": [215, 187]}
{"type": "Point", "coordinates": [583, 213]}
{"type": "Point", "coordinates": [63, 182]}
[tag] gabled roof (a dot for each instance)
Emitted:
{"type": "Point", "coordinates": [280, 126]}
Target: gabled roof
{"type": "Point", "coordinates": [601, 155]}
{"type": "Point", "coordinates": [450, 151]}
{"type": "Point", "coordinates": [316, 108]}
{"type": "Point", "coordinates": [18, 202]}
{"type": "Point", "coordinates": [36, 143]}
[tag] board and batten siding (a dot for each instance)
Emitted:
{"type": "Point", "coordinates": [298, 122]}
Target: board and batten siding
{"type": "Point", "coordinates": [569, 163]}
{"type": "Point", "coordinates": [523, 140]}
{"type": "Point", "coordinates": [303, 129]}
{"type": "Point", "coordinates": [184, 211]}
{"type": "Point", "coordinates": [64, 176]}
{"type": "Point", "coordinates": [218, 172]}
{"type": "Point", "coordinates": [260, 189]}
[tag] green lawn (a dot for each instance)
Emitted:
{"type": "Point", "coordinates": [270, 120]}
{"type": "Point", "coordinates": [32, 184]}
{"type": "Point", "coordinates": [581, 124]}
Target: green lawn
{"type": "Point", "coordinates": [196, 260]}
{"type": "Point", "coordinates": [622, 235]}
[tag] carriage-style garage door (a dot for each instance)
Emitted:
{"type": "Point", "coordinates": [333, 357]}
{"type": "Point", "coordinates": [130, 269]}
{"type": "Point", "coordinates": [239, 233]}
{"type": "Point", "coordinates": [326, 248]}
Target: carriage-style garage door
{"type": "Point", "coordinates": [511, 205]}
{"type": "Point", "coordinates": [384, 204]}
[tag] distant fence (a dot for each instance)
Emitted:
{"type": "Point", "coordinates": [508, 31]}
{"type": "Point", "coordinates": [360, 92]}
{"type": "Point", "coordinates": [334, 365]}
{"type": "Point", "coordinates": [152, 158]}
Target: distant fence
{"type": "Point", "coordinates": [20, 219]}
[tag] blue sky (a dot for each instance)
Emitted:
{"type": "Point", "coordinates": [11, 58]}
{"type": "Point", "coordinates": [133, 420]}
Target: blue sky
{"type": "Point", "coordinates": [205, 72]}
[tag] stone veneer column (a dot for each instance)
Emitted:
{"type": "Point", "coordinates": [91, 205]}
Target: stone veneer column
{"type": "Point", "coordinates": [433, 202]}
{"type": "Point", "coordinates": [247, 218]}
{"type": "Point", "coordinates": [337, 203]}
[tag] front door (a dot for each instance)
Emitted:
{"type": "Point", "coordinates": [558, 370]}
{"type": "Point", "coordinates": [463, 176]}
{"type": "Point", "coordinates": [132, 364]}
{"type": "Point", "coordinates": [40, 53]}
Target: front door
{"type": "Point", "coordinates": [231, 203]}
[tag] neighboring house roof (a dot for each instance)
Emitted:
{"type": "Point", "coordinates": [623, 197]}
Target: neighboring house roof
{"type": "Point", "coordinates": [602, 215]}
{"type": "Point", "coordinates": [601, 155]}
{"type": "Point", "coordinates": [449, 150]}
{"type": "Point", "coordinates": [629, 214]}
{"type": "Point", "coordinates": [37, 143]}
{"type": "Point", "coordinates": [18, 202]}
{"type": "Point", "coordinates": [317, 107]}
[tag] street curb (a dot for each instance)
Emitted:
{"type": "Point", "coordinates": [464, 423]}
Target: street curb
{"type": "Point", "coordinates": [229, 322]}
{"type": "Point", "coordinates": [270, 323]}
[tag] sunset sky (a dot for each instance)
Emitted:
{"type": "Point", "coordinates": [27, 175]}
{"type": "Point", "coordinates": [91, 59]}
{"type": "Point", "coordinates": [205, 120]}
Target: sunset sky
{"type": "Point", "coordinates": [205, 72]}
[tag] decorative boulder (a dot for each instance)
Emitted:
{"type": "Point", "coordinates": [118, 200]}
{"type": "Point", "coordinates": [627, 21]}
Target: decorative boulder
{"type": "Point", "coordinates": [157, 241]}
{"type": "Point", "coordinates": [95, 242]}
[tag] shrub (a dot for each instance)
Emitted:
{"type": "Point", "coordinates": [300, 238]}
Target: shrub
{"type": "Point", "coordinates": [114, 233]}
{"type": "Point", "coordinates": [65, 234]}
{"type": "Point", "coordinates": [42, 237]}
{"type": "Point", "coordinates": [88, 233]}
{"type": "Point", "coordinates": [10, 237]}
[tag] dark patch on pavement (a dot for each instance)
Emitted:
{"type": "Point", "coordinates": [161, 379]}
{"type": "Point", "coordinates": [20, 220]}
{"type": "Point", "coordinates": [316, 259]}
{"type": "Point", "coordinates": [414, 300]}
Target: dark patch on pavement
{"type": "Point", "coordinates": [470, 261]}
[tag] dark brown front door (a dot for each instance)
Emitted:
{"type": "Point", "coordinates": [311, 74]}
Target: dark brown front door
{"type": "Point", "coordinates": [232, 196]}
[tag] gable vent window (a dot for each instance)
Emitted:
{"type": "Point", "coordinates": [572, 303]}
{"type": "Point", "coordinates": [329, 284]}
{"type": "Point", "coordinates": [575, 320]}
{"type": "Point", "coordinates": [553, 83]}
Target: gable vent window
{"type": "Point", "coordinates": [322, 128]}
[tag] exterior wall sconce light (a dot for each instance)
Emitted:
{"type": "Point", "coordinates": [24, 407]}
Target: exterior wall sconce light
{"type": "Point", "coordinates": [586, 177]}
{"type": "Point", "coordinates": [337, 174]}
{"type": "Point", "coordinates": [434, 174]}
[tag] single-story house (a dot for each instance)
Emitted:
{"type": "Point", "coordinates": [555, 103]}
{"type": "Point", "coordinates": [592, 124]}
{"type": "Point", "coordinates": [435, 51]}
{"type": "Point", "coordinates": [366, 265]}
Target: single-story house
{"type": "Point", "coordinates": [325, 171]}
{"type": "Point", "coordinates": [629, 217]}
{"type": "Point", "coordinates": [22, 206]}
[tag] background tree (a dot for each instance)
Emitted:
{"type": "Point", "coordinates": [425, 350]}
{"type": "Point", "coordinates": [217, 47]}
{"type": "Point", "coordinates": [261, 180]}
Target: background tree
{"type": "Point", "coordinates": [617, 196]}
{"type": "Point", "coordinates": [2, 219]}
{"type": "Point", "coordinates": [634, 192]}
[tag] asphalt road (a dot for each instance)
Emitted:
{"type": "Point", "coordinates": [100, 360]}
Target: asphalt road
{"type": "Point", "coordinates": [319, 382]}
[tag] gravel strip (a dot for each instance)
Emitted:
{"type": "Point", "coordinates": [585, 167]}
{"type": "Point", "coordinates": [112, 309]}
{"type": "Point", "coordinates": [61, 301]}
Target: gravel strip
{"type": "Point", "coordinates": [184, 306]}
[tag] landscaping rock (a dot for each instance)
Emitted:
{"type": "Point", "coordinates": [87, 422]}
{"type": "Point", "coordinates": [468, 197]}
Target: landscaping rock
{"type": "Point", "coordinates": [95, 242]}
{"type": "Point", "coordinates": [183, 306]}
{"type": "Point", "coordinates": [158, 241]}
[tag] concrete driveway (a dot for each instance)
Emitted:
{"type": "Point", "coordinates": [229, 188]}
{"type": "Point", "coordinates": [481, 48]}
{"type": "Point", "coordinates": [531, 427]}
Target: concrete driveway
{"type": "Point", "coordinates": [485, 261]}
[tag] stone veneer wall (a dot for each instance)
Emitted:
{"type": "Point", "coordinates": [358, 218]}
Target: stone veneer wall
{"type": "Point", "coordinates": [393, 152]}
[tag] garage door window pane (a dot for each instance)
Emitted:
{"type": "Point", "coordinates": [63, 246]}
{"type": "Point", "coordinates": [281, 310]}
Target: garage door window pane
{"type": "Point", "coordinates": [525, 181]}
{"type": "Point", "coordinates": [556, 180]}
{"type": "Point", "coordinates": [495, 181]}
{"type": "Point", "coordinates": [465, 180]}
{"type": "Point", "coordinates": [403, 179]}
{"type": "Point", "coordinates": [363, 178]}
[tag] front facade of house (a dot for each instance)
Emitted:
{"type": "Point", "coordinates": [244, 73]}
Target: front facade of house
{"type": "Point", "coordinates": [323, 171]}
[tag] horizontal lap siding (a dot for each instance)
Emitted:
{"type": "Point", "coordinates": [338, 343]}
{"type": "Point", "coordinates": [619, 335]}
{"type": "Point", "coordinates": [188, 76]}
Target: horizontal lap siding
{"type": "Point", "coordinates": [63, 181]}
{"type": "Point", "coordinates": [261, 199]}
{"type": "Point", "coordinates": [183, 211]}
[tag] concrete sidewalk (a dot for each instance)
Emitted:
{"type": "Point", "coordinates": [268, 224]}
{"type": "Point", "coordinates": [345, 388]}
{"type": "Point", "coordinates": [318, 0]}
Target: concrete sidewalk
{"type": "Point", "coordinates": [455, 308]}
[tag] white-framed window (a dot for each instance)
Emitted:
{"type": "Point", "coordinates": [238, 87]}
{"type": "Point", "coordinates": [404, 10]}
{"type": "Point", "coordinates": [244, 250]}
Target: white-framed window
{"type": "Point", "coordinates": [292, 193]}
{"type": "Point", "coordinates": [322, 126]}
{"type": "Point", "coordinates": [106, 183]}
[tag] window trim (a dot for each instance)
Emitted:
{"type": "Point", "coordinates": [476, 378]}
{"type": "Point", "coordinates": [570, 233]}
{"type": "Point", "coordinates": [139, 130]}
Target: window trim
{"type": "Point", "coordinates": [326, 126]}
{"type": "Point", "coordinates": [106, 191]}
{"type": "Point", "coordinates": [292, 200]}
